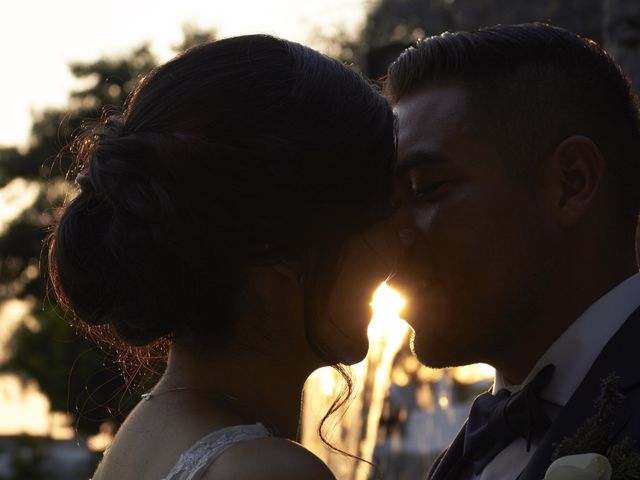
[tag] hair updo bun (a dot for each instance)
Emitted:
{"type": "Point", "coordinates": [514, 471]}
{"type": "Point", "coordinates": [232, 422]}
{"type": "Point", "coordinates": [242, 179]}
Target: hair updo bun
{"type": "Point", "coordinates": [237, 153]}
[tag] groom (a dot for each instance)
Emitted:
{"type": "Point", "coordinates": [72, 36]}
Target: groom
{"type": "Point", "coordinates": [518, 180]}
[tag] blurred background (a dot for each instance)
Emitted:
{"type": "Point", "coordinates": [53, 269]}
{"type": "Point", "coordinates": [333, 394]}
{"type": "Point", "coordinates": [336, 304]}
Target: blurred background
{"type": "Point", "coordinates": [65, 62]}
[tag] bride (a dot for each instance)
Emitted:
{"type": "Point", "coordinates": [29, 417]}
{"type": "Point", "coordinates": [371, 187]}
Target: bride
{"type": "Point", "coordinates": [236, 210]}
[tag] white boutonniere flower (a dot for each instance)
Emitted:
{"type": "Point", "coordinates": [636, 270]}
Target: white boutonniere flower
{"type": "Point", "coordinates": [572, 458]}
{"type": "Point", "coordinates": [587, 466]}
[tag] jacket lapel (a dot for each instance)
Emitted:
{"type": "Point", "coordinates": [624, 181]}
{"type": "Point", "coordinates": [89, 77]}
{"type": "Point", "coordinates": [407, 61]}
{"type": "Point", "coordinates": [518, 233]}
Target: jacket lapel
{"type": "Point", "coordinates": [447, 466]}
{"type": "Point", "coordinates": [619, 356]}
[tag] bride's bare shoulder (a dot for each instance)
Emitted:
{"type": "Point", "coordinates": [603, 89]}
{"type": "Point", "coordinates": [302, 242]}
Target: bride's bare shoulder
{"type": "Point", "coordinates": [268, 459]}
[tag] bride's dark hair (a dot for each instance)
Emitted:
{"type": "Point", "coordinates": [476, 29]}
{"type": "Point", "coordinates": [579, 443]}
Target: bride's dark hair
{"type": "Point", "coordinates": [243, 152]}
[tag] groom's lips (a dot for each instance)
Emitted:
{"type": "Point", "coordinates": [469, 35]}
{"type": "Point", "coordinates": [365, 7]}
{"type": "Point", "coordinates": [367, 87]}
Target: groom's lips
{"type": "Point", "coordinates": [408, 284]}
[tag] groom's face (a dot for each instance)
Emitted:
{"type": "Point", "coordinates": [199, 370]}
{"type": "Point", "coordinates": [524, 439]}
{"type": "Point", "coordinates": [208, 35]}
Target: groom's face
{"type": "Point", "coordinates": [473, 234]}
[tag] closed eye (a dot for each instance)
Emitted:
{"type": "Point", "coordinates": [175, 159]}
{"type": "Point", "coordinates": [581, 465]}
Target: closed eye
{"type": "Point", "coordinates": [429, 191]}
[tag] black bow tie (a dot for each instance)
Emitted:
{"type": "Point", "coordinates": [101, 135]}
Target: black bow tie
{"type": "Point", "coordinates": [496, 420]}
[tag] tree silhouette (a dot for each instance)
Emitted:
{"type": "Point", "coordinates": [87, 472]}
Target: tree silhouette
{"type": "Point", "coordinates": [71, 370]}
{"type": "Point", "coordinates": [393, 25]}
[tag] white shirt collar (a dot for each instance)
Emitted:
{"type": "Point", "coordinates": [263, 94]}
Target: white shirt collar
{"type": "Point", "coordinates": [574, 352]}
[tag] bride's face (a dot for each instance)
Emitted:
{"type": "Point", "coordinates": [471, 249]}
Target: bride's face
{"type": "Point", "coordinates": [368, 260]}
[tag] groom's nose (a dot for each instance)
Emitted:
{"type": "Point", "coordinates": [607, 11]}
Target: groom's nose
{"type": "Point", "coordinates": [407, 237]}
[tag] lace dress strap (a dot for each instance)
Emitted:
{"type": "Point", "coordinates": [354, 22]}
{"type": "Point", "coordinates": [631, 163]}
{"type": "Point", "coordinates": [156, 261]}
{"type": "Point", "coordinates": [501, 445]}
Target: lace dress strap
{"type": "Point", "coordinates": [194, 462]}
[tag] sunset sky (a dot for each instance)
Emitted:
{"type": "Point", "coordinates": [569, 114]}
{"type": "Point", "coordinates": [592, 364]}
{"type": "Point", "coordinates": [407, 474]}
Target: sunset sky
{"type": "Point", "coordinates": [38, 38]}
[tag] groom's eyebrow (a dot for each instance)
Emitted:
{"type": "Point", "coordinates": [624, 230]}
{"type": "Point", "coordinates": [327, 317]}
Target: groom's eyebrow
{"type": "Point", "coordinates": [420, 159]}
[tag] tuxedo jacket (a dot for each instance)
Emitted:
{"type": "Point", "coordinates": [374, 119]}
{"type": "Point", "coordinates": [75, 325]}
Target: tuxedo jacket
{"type": "Point", "coordinates": [621, 355]}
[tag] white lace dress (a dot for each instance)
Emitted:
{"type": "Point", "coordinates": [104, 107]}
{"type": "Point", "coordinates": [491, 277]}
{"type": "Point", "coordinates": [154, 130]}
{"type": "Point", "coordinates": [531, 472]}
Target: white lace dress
{"type": "Point", "coordinates": [194, 462]}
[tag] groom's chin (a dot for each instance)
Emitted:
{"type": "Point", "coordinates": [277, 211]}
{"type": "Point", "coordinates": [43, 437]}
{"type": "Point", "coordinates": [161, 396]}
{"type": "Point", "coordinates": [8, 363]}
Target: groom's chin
{"type": "Point", "coordinates": [435, 351]}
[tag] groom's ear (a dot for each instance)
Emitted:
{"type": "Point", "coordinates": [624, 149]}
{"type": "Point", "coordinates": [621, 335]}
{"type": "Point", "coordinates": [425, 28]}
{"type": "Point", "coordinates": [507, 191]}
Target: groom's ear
{"type": "Point", "coordinates": [576, 167]}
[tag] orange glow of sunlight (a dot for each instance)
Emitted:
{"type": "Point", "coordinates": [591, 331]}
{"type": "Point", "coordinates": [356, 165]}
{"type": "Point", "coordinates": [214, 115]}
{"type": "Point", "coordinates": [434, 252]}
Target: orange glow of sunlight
{"type": "Point", "coordinates": [477, 372]}
{"type": "Point", "coordinates": [24, 409]}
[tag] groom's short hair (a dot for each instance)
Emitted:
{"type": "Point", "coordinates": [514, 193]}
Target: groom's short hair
{"type": "Point", "coordinates": [531, 86]}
